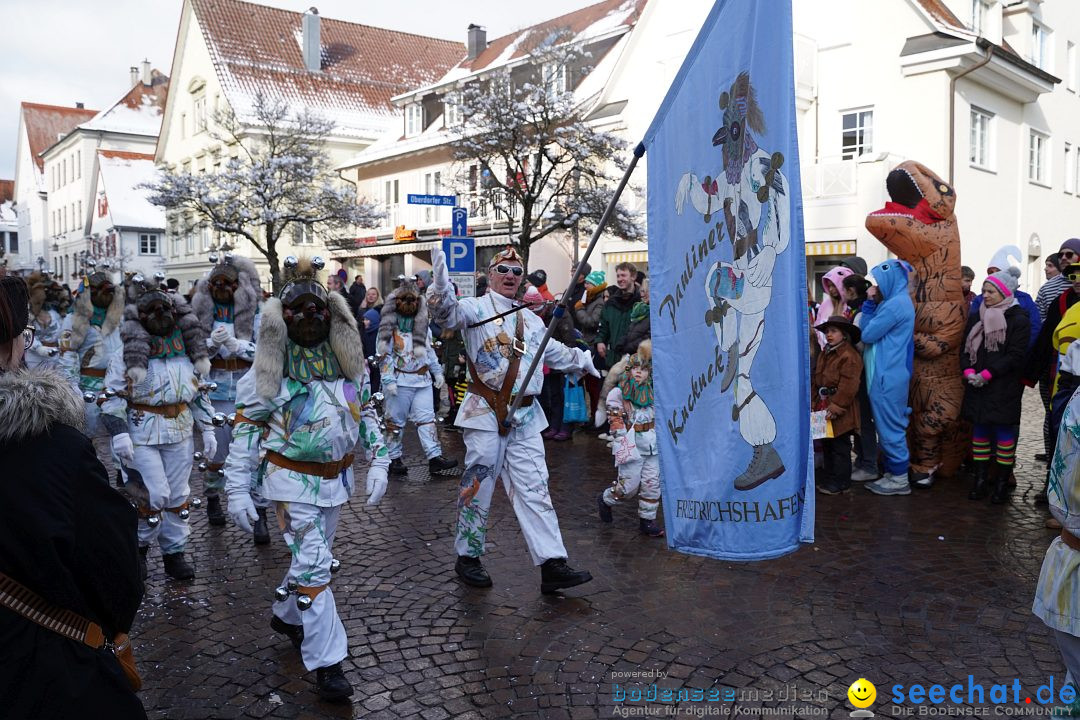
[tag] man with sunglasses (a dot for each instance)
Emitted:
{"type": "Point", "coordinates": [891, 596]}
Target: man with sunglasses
{"type": "Point", "coordinates": [501, 338]}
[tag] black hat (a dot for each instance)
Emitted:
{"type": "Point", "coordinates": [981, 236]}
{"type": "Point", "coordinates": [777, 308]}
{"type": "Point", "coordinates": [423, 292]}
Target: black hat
{"type": "Point", "coordinates": [842, 323]}
{"type": "Point", "coordinates": [537, 278]}
{"type": "Point", "coordinates": [855, 263]}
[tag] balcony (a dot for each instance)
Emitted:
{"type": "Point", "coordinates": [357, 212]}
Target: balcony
{"type": "Point", "coordinates": [830, 178]}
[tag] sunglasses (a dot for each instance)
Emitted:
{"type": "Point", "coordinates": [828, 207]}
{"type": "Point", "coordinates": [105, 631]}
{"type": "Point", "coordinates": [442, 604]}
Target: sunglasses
{"type": "Point", "coordinates": [1073, 277]}
{"type": "Point", "coordinates": [504, 269]}
{"type": "Point", "coordinates": [1067, 254]}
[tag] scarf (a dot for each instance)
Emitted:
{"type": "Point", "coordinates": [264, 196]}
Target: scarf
{"type": "Point", "coordinates": [223, 313]}
{"type": "Point", "coordinates": [990, 330]}
{"type": "Point", "coordinates": [405, 324]}
{"type": "Point", "coordinates": [98, 317]}
{"type": "Point", "coordinates": [167, 347]}
{"type": "Point", "coordinates": [637, 394]}
{"type": "Point", "coordinates": [590, 294]}
{"type": "Point", "coordinates": [307, 364]}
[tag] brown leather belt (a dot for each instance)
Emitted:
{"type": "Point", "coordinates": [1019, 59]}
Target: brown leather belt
{"type": "Point", "coordinates": [500, 401]}
{"type": "Point", "coordinates": [92, 372]}
{"type": "Point", "coordinates": [327, 471]}
{"type": "Point", "coordinates": [46, 343]}
{"type": "Point", "coordinates": [421, 371]}
{"type": "Point", "coordinates": [479, 388]}
{"type": "Point", "coordinates": [1069, 539]}
{"type": "Point", "coordinates": [172, 410]}
{"type": "Point", "coordinates": [644, 427]}
{"type": "Point", "coordinates": [231, 364]}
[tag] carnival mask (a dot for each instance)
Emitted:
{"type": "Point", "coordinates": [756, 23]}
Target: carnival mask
{"type": "Point", "coordinates": [156, 313]}
{"type": "Point", "coordinates": [407, 304]}
{"type": "Point", "coordinates": [223, 285]}
{"type": "Point", "coordinates": [307, 318]}
{"type": "Point", "coordinates": [102, 290]}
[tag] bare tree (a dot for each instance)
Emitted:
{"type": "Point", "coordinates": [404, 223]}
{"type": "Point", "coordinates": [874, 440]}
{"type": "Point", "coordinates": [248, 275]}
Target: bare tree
{"type": "Point", "coordinates": [526, 133]}
{"type": "Point", "coordinates": [280, 178]}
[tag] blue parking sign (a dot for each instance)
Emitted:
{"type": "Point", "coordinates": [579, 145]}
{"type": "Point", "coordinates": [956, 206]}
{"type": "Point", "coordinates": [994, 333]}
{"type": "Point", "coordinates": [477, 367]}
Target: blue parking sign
{"type": "Point", "coordinates": [459, 226]}
{"type": "Point", "coordinates": [460, 254]}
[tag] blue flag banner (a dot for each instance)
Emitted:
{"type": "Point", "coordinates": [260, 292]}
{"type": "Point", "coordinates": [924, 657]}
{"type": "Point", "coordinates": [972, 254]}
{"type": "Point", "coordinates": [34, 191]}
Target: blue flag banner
{"type": "Point", "coordinates": [728, 289]}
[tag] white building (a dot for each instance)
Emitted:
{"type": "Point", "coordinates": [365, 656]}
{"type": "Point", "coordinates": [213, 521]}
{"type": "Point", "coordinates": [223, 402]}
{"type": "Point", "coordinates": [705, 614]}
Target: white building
{"type": "Point", "coordinates": [228, 51]}
{"type": "Point", "coordinates": [971, 89]}
{"type": "Point", "coordinates": [9, 226]}
{"type": "Point", "coordinates": [124, 225]}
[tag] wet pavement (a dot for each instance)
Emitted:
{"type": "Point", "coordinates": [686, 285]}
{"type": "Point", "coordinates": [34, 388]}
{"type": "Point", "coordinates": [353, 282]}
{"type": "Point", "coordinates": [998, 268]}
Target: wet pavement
{"type": "Point", "coordinates": [929, 588]}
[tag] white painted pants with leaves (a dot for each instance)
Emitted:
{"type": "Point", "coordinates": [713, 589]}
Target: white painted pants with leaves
{"type": "Point", "coordinates": [214, 484]}
{"type": "Point", "coordinates": [309, 534]}
{"type": "Point", "coordinates": [415, 404]}
{"type": "Point", "coordinates": [638, 477]}
{"type": "Point", "coordinates": [165, 470]}
{"type": "Point", "coordinates": [517, 457]}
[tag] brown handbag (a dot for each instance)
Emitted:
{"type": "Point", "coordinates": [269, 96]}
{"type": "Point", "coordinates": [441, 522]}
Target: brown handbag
{"type": "Point", "coordinates": [33, 607]}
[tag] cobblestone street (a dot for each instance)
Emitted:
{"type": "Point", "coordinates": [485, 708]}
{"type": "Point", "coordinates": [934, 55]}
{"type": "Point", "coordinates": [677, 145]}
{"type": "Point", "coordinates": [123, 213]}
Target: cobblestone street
{"type": "Point", "coordinates": [928, 588]}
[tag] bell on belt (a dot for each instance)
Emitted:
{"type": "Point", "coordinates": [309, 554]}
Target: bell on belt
{"type": "Point", "coordinates": [110, 393]}
{"type": "Point", "coordinates": [153, 520]}
{"type": "Point", "coordinates": [231, 418]}
{"type": "Point", "coordinates": [196, 502]}
{"type": "Point", "coordinates": [184, 514]}
{"type": "Point", "coordinates": [212, 387]}
{"type": "Point", "coordinates": [198, 456]}
{"type": "Point", "coordinates": [303, 602]}
{"type": "Point", "coordinates": [291, 585]}
{"type": "Point", "coordinates": [335, 565]}
{"type": "Point", "coordinates": [220, 472]}
{"type": "Point", "coordinates": [159, 276]}
{"type": "Point", "coordinates": [203, 467]}
{"type": "Point", "coordinates": [218, 420]}
{"type": "Point", "coordinates": [89, 396]}
{"type": "Point", "coordinates": [281, 594]}
{"type": "Point", "coordinates": [212, 257]}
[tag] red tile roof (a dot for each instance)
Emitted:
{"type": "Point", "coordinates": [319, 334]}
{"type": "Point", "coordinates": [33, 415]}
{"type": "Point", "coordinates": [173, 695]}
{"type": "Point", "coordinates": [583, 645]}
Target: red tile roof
{"type": "Point", "coordinates": [124, 155]}
{"type": "Point", "coordinates": [139, 111]}
{"type": "Point", "coordinates": [45, 123]}
{"type": "Point", "coordinates": [7, 191]}
{"type": "Point", "coordinates": [609, 14]}
{"type": "Point", "coordinates": [257, 48]}
{"type": "Point", "coordinates": [940, 12]}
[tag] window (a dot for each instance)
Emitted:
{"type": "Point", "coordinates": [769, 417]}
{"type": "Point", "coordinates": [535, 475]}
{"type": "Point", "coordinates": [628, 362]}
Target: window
{"type": "Point", "coordinates": [148, 244]}
{"type": "Point", "coordinates": [1037, 161]}
{"type": "Point", "coordinates": [858, 134]}
{"type": "Point", "coordinates": [302, 234]}
{"type": "Point", "coordinates": [1070, 170]}
{"type": "Point", "coordinates": [200, 113]}
{"type": "Point", "coordinates": [1071, 70]}
{"type": "Point", "coordinates": [176, 246]}
{"type": "Point", "coordinates": [63, 165]}
{"type": "Point", "coordinates": [414, 119]}
{"type": "Point", "coordinates": [979, 10]}
{"type": "Point", "coordinates": [1039, 42]}
{"type": "Point", "coordinates": [189, 242]}
{"type": "Point", "coordinates": [554, 75]}
{"type": "Point", "coordinates": [183, 125]}
{"type": "Point", "coordinates": [204, 237]}
{"type": "Point", "coordinates": [13, 242]}
{"type": "Point", "coordinates": [78, 164]}
{"type": "Point", "coordinates": [980, 138]}
{"type": "Point", "coordinates": [453, 115]}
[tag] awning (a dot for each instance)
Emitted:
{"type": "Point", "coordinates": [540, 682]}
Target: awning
{"type": "Point", "coordinates": [846, 247]}
{"type": "Point", "coordinates": [638, 256]}
{"type": "Point", "coordinates": [411, 247]}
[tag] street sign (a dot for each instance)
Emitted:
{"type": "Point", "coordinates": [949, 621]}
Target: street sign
{"type": "Point", "coordinates": [459, 226]}
{"type": "Point", "coordinates": [465, 282]}
{"type": "Point", "coordinates": [441, 200]}
{"type": "Point", "coordinates": [460, 254]}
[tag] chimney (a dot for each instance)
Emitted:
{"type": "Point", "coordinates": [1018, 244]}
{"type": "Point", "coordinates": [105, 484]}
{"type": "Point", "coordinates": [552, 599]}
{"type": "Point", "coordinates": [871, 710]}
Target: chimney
{"type": "Point", "coordinates": [147, 79]}
{"type": "Point", "coordinates": [312, 47]}
{"type": "Point", "coordinates": [134, 76]}
{"type": "Point", "coordinates": [79, 106]}
{"type": "Point", "coordinates": [477, 42]}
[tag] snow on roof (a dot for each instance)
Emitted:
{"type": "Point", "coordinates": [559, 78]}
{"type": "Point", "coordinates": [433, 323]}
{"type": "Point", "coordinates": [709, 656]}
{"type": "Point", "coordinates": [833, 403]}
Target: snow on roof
{"type": "Point", "coordinates": [121, 172]}
{"type": "Point", "coordinates": [138, 112]}
{"type": "Point", "coordinates": [46, 123]}
{"type": "Point", "coordinates": [255, 49]}
{"type": "Point", "coordinates": [7, 213]}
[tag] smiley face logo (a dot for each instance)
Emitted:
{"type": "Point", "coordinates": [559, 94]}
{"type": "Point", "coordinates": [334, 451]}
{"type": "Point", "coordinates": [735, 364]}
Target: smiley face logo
{"type": "Point", "coordinates": [862, 693]}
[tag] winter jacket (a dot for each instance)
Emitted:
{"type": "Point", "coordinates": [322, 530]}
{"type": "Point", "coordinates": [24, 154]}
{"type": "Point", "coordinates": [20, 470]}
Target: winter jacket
{"type": "Point", "coordinates": [838, 371]}
{"type": "Point", "coordinates": [587, 313]}
{"type": "Point", "coordinates": [69, 537]}
{"type": "Point", "coordinates": [1028, 304]}
{"type": "Point", "coordinates": [615, 317]}
{"type": "Point", "coordinates": [1043, 354]}
{"type": "Point", "coordinates": [888, 330]}
{"type": "Point", "coordinates": [635, 333]}
{"type": "Point", "coordinates": [998, 402]}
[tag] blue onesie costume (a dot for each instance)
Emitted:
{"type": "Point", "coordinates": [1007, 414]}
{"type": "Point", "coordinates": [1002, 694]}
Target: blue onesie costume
{"type": "Point", "coordinates": [888, 334]}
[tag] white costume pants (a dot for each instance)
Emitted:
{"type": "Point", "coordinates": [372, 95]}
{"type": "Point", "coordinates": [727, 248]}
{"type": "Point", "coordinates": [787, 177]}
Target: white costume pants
{"type": "Point", "coordinates": [213, 482]}
{"type": "Point", "coordinates": [164, 470]}
{"type": "Point", "coordinates": [309, 533]}
{"type": "Point", "coordinates": [518, 458]}
{"type": "Point", "coordinates": [416, 404]}
{"type": "Point", "coordinates": [638, 477]}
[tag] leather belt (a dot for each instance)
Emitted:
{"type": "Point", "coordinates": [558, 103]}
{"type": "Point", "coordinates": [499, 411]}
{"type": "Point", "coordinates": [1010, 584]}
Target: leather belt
{"type": "Point", "coordinates": [479, 388]}
{"type": "Point", "coordinates": [1069, 539]}
{"type": "Point", "coordinates": [421, 371]}
{"type": "Point", "coordinates": [92, 372]}
{"type": "Point", "coordinates": [46, 343]}
{"type": "Point", "coordinates": [644, 427]}
{"type": "Point", "coordinates": [231, 364]}
{"type": "Point", "coordinates": [327, 471]}
{"type": "Point", "coordinates": [172, 410]}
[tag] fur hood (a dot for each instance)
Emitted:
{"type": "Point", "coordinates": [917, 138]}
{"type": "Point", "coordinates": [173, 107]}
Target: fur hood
{"type": "Point", "coordinates": [137, 339]}
{"type": "Point", "coordinates": [245, 299]}
{"type": "Point", "coordinates": [270, 351]}
{"type": "Point", "coordinates": [38, 285]}
{"type": "Point", "coordinates": [32, 401]}
{"type": "Point", "coordinates": [389, 321]}
{"type": "Point", "coordinates": [84, 310]}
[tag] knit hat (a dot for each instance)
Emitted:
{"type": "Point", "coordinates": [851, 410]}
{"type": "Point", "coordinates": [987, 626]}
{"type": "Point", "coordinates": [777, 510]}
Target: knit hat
{"type": "Point", "coordinates": [1006, 280]}
{"type": "Point", "coordinates": [537, 278]}
{"type": "Point", "coordinates": [1072, 244]}
{"type": "Point", "coordinates": [639, 311]}
{"type": "Point", "coordinates": [596, 277]}
{"type": "Point", "coordinates": [855, 263]}
{"type": "Point", "coordinates": [532, 298]}
{"type": "Point", "coordinates": [14, 307]}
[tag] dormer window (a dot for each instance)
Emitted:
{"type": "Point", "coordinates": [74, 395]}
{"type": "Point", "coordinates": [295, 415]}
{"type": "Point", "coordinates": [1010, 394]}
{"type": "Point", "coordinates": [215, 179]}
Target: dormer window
{"type": "Point", "coordinates": [414, 119]}
{"type": "Point", "coordinates": [452, 115]}
{"type": "Point", "coordinates": [1040, 41]}
{"type": "Point", "coordinates": [554, 75]}
{"type": "Point", "coordinates": [979, 12]}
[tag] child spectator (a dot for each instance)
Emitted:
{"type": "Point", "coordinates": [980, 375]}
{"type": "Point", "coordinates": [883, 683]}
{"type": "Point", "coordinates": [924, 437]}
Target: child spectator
{"type": "Point", "coordinates": [866, 445]}
{"type": "Point", "coordinates": [832, 303]}
{"type": "Point", "coordinates": [836, 389]}
{"type": "Point", "coordinates": [993, 359]}
{"type": "Point", "coordinates": [967, 276]}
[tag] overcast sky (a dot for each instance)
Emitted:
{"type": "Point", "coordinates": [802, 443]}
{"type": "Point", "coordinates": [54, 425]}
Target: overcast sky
{"type": "Point", "coordinates": [60, 52]}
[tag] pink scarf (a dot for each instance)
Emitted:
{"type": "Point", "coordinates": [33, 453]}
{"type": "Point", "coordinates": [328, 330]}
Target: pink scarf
{"type": "Point", "coordinates": [990, 329]}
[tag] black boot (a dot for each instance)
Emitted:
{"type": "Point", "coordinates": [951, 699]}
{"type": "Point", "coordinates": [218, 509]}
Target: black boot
{"type": "Point", "coordinates": [214, 514]}
{"type": "Point", "coordinates": [177, 567]}
{"type": "Point", "coordinates": [439, 465]}
{"type": "Point", "coordinates": [1002, 487]}
{"type": "Point", "coordinates": [398, 468]}
{"type": "Point", "coordinates": [331, 684]}
{"type": "Point", "coordinates": [143, 549]}
{"type": "Point", "coordinates": [472, 572]}
{"type": "Point", "coordinates": [650, 528]}
{"type": "Point", "coordinates": [981, 488]}
{"type": "Point", "coordinates": [262, 532]}
{"type": "Point", "coordinates": [603, 509]}
{"type": "Point", "coordinates": [555, 574]}
{"type": "Point", "coordinates": [295, 633]}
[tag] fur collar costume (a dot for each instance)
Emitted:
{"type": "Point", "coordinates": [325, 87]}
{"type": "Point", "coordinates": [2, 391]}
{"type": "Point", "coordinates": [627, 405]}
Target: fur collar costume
{"type": "Point", "coordinates": [390, 320]}
{"type": "Point", "coordinates": [245, 298]}
{"type": "Point", "coordinates": [137, 341]}
{"type": "Point", "coordinates": [32, 401]}
{"type": "Point", "coordinates": [84, 310]}
{"type": "Point", "coordinates": [38, 284]}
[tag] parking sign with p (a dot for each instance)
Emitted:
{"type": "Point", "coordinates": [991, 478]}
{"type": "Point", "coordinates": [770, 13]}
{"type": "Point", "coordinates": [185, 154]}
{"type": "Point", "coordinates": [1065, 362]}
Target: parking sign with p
{"type": "Point", "coordinates": [460, 254]}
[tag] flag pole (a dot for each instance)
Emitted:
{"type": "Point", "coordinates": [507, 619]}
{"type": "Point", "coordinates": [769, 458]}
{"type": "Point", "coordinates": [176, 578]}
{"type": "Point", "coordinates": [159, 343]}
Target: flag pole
{"type": "Point", "coordinates": [564, 302]}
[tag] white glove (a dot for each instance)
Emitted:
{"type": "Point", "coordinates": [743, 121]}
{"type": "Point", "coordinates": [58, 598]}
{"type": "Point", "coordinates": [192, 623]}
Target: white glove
{"type": "Point", "coordinates": [440, 276]}
{"type": "Point", "coordinates": [219, 335]}
{"type": "Point", "coordinates": [209, 444]}
{"type": "Point", "coordinates": [123, 449]}
{"type": "Point", "coordinates": [136, 375]}
{"type": "Point", "coordinates": [588, 367]}
{"type": "Point", "coordinates": [389, 390]}
{"type": "Point", "coordinates": [242, 510]}
{"type": "Point", "coordinates": [600, 417]}
{"type": "Point", "coordinates": [376, 484]}
{"type": "Point", "coordinates": [439, 381]}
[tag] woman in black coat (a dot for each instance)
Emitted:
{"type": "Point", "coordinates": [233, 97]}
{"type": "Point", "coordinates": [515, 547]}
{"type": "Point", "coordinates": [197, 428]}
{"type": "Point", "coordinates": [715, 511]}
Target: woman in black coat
{"type": "Point", "coordinates": [993, 359]}
{"type": "Point", "coordinates": [66, 535]}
